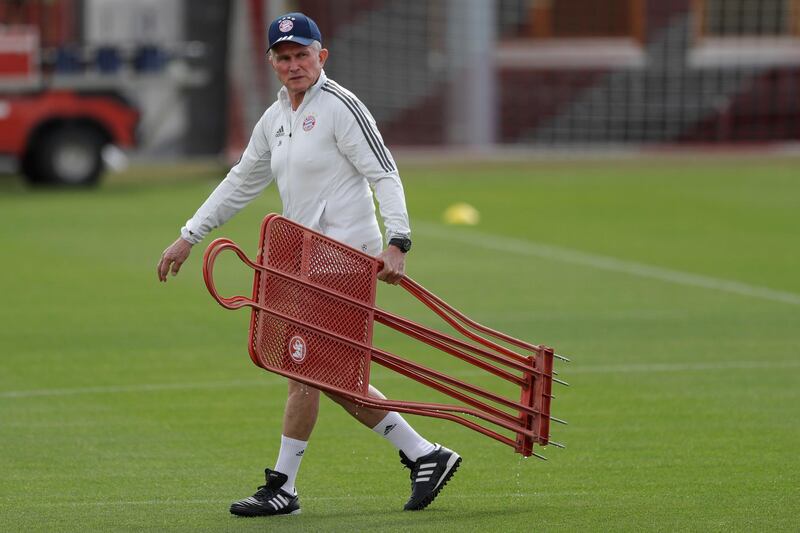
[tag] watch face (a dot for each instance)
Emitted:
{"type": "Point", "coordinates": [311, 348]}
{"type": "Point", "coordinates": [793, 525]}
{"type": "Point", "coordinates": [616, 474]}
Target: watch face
{"type": "Point", "coordinates": [403, 244]}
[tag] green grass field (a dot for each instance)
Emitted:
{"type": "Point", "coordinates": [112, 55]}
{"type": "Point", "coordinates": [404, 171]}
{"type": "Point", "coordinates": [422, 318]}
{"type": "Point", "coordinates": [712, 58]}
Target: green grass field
{"type": "Point", "coordinates": [672, 283]}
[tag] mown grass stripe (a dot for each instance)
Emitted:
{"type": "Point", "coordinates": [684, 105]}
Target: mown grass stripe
{"type": "Point", "coordinates": [602, 262]}
{"type": "Point", "coordinates": [571, 369]}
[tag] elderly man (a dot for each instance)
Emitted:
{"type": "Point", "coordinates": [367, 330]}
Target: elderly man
{"type": "Point", "coordinates": [321, 146]}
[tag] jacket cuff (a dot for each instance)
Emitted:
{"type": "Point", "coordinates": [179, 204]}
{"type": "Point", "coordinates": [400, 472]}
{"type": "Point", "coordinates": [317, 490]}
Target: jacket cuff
{"type": "Point", "coordinates": [396, 235]}
{"type": "Point", "coordinates": [187, 235]}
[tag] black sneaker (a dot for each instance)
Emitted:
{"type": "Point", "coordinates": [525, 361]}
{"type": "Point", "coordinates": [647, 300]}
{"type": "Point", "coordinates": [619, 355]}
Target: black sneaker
{"type": "Point", "coordinates": [269, 500]}
{"type": "Point", "coordinates": [429, 474]}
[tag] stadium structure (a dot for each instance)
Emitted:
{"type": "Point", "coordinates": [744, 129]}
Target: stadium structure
{"type": "Point", "coordinates": [524, 73]}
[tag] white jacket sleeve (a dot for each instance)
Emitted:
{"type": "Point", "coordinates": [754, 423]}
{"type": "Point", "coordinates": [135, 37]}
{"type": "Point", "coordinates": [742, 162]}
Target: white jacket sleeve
{"type": "Point", "coordinates": [244, 182]}
{"type": "Point", "coordinates": [358, 138]}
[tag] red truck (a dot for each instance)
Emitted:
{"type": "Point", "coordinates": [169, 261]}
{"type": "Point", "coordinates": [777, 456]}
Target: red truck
{"type": "Point", "coordinates": [57, 136]}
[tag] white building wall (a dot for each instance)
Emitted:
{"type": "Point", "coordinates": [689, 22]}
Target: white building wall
{"type": "Point", "coordinates": [129, 24]}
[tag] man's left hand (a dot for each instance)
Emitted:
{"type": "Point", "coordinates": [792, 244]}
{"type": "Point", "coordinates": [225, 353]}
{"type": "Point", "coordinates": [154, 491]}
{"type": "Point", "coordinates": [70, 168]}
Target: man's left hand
{"type": "Point", "coordinates": [394, 265]}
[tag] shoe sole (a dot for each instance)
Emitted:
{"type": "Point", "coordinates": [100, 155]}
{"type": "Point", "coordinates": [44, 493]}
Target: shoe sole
{"type": "Point", "coordinates": [254, 514]}
{"type": "Point", "coordinates": [452, 466]}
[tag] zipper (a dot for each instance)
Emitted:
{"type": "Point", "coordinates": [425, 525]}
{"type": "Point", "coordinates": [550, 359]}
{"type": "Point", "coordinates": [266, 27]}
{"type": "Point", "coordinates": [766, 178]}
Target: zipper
{"type": "Point", "coordinates": [287, 117]}
{"type": "Point", "coordinates": [291, 123]}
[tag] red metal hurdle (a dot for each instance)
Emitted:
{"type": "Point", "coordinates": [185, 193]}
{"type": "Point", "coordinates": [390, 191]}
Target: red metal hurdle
{"type": "Point", "coordinates": [313, 312]}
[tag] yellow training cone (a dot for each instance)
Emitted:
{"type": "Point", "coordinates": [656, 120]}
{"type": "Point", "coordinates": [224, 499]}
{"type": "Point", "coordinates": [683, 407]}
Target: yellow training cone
{"type": "Point", "coordinates": [461, 214]}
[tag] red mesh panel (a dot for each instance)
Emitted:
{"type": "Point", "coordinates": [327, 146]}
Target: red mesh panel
{"type": "Point", "coordinates": [303, 255]}
{"type": "Point", "coordinates": [323, 358]}
{"type": "Point", "coordinates": [342, 269]}
{"type": "Point", "coordinates": [283, 247]}
{"type": "Point", "coordinates": [323, 262]}
{"type": "Point", "coordinates": [315, 308]}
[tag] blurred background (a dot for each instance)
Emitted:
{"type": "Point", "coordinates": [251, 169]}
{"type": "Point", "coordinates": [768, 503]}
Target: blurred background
{"type": "Point", "coordinates": [179, 78]}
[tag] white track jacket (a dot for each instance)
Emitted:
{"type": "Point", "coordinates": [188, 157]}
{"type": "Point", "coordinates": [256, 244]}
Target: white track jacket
{"type": "Point", "coordinates": [324, 158]}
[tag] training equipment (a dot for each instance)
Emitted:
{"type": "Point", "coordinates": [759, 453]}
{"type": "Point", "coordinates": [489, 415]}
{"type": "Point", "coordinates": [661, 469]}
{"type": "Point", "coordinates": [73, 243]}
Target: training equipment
{"type": "Point", "coordinates": [429, 475]}
{"type": "Point", "coordinates": [313, 312]}
{"type": "Point", "coordinates": [461, 214]}
{"type": "Point", "coordinates": [269, 500]}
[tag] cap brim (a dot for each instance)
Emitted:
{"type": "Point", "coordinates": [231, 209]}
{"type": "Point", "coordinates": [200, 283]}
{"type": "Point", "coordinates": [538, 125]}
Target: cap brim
{"type": "Point", "coordinates": [305, 41]}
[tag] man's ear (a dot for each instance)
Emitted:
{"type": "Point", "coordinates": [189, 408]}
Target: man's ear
{"type": "Point", "coordinates": [323, 56]}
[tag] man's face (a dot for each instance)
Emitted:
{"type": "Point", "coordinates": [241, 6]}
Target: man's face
{"type": "Point", "coordinates": [297, 66]}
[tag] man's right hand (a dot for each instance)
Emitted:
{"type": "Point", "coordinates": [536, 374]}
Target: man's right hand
{"type": "Point", "coordinates": [173, 257]}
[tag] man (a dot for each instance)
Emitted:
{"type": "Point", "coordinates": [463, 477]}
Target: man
{"type": "Point", "coordinates": [321, 146]}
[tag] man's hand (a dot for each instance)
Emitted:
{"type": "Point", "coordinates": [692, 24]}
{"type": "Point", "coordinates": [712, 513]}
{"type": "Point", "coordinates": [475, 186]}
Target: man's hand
{"type": "Point", "coordinates": [173, 257]}
{"type": "Point", "coordinates": [394, 265]}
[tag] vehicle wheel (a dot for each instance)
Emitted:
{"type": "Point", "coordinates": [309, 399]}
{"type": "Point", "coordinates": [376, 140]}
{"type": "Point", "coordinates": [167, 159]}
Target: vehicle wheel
{"type": "Point", "coordinates": [68, 156]}
{"type": "Point", "coordinates": [27, 167]}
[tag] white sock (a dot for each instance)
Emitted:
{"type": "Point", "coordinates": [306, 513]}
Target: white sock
{"type": "Point", "coordinates": [396, 430]}
{"type": "Point", "coordinates": [289, 458]}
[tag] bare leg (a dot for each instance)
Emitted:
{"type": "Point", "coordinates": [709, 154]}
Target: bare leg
{"type": "Point", "coordinates": [367, 416]}
{"type": "Point", "coordinates": [390, 425]}
{"type": "Point", "coordinates": [300, 413]}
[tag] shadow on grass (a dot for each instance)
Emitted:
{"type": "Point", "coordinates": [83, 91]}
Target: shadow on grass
{"type": "Point", "coordinates": [136, 177]}
{"type": "Point", "coordinates": [348, 519]}
{"type": "Point", "coordinates": [13, 184]}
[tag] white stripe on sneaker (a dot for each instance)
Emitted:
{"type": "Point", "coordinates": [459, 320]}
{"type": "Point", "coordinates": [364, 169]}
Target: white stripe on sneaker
{"type": "Point", "coordinates": [421, 479]}
{"type": "Point", "coordinates": [427, 465]}
{"type": "Point", "coordinates": [450, 462]}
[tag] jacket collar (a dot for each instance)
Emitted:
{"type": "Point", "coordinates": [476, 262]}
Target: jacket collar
{"type": "Point", "coordinates": [283, 94]}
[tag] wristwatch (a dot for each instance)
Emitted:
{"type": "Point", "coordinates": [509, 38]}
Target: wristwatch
{"type": "Point", "coordinates": [404, 243]}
